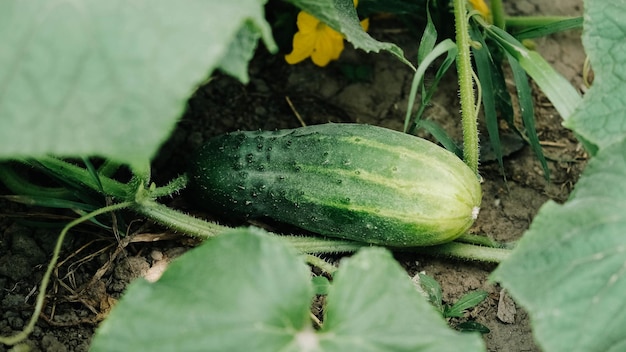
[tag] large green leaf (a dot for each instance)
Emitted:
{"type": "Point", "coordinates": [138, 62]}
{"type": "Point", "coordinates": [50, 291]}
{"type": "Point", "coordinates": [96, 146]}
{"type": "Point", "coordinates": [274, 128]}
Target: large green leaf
{"type": "Point", "coordinates": [247, 291]}
{"type": "Point", "coordinates": [569, 269]}
{"type": "Point", "coordinates": [240, 292]}
{"type": "Point", "coordinates": [341, 16]}
{"type": "Point", "coordinates": [373, 306]}
{"type": "Point", "coordinates": [600, 117]}
{"type": "Point", "coordinates": [110, 78]}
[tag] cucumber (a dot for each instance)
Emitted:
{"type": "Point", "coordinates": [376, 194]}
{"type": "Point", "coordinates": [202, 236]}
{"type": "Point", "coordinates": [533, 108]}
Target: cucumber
{"type": "Point", "coordinates": [352, 181]}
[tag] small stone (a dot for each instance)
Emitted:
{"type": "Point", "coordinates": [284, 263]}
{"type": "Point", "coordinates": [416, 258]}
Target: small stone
{"type": "Point", "coordinates": [156, 255]}
{"type": "Point", "coordinates": [506, 308]}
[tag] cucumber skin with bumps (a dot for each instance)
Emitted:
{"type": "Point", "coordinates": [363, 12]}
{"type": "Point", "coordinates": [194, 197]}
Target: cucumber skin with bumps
{"type": "Point", "coordinates": [352, 181]}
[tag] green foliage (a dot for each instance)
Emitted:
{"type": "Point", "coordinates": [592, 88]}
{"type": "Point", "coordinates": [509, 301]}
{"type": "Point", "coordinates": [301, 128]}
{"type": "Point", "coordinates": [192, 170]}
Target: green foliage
{"type": "Point", "coordinates": [549, 27]}
{"type": "Point", "coordinates": [599, 119]}
{"type": "Point", "coordinates": [560, 92]}
{"type": "Point", "coordinates": [568, 269]}
{"type": "Point", "coordinates": [492, 46]}
{"type": "Point", "coordinates": [464, 303]}
{"type": "Point", "coordinates": [248, 291]}
{"type": "Point", "coordinates": [79, 77]}
{"type": "Point", "coordinates": [435, 296]}
{"type": "Point", "coordinates": [427, 53]}
{"type": "Point", "coordinates": [320, 285]}
{"type": "Point", "coordinates": [230, 303]}
{"type": "Point", "coordinates": [368, 7]}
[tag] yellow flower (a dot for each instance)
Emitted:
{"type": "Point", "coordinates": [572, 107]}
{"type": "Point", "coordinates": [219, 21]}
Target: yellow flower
{"type": "Point", "coordinates": [317, 40]}
{"type": "Point", "coordinates": [481, 6]}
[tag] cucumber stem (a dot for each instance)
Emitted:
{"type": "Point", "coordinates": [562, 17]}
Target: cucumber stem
{"type": "Point", "coordinates": [173, 187]}
{"type": "Point", "coordinates": [466, 252]}
{"type": "Point", "coordinates": [497, 13]}
{"type": "Point", "coordinates": [479, 240]}
{"type": "Point", "coordinates": [466, 87]}
{"type": "Point", "coordinates": [534, 21]}
{"type": "Point", "coordinates": [177, 220]}
{"type": "Point", "coordinates": [193, 226]}
{"type": "Point", "coordinates": [320, 263]}
{"type": "Point", "coordinates": [320, 245]}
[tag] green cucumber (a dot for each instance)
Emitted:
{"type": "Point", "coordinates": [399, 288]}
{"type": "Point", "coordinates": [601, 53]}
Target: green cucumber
{"type": "Point", "coordinates": [351, 181]}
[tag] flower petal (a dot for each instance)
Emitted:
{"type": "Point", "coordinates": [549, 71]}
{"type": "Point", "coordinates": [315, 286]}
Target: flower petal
{"type": "Point", "coordinates": [327, 48]}
{"type": "Point", "coordinates": [303, 47]}
{"type": "Point", "coordinates": [480, 6]}
{"type": "Point", "coordinates": [306, 22]}
{"type": "Point", "coordinates": [326, 31]}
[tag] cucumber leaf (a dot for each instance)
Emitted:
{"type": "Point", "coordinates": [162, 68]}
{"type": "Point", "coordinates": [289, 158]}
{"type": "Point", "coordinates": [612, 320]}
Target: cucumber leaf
{"type": "Point", "coordinates": [110, 78]}
{"type": "Point", "coordinates": [569, 268]}
{"type": "Point", "coordinates": [242, 291]}
{"type": "Point", "coordinates": [248, 291]}
{"type": "Point", "coordinates": [600, 116]}
{"type": "Point", "coordinates": [374, 306]}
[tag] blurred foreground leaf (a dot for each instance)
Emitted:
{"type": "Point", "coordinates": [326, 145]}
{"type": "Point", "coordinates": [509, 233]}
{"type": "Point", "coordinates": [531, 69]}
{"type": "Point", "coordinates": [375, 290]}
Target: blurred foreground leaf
{"type": "Point", "coordinates": [374, 306]}
{"type": "Point", "coordinates": [242, 291]}
{"type": "Point", "coordinates": [569, 268]}
{"type": "Point", "coordinates": [247, 291]}
{"type": "Point", "coordinates": [601, 115]}
{"type": "Point", "coordinates": [111, 78]}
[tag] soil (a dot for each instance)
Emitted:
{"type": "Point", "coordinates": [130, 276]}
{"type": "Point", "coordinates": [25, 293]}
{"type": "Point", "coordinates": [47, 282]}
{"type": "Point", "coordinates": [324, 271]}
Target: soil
{"type": "Point", "coordinates": [95, 268]}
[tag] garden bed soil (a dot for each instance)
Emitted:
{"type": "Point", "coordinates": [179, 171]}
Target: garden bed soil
{"type": "Point", "coordinates": [95, 268]}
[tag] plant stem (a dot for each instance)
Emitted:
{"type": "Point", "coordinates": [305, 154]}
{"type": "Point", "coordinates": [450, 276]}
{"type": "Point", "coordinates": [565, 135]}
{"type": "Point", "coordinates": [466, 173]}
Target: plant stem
{"type": "Point", "coordinates": [320, 245]}
{"type": "Point", "coordinates": [109, 168]}
{"type": "Point", "coordinates": [321, 264]}
{"type": "Point", "coordinates": [534, 21]}
{"type": "Point", "coordinates": [480, 241]}
{"type": "Point", "coordinates": [453, 249]}
{"type": "Point", "coordinates": [174, 186]}
{"type": "Point", "coordinates": [193, 226]}
{"type": "Point", "coordinates": [466, 87]}
{"type": "Point", "coordinates": [177, 220]}
{"type": "Point", "coordinates": [466, 252]}
{"type": "Point", "coordinates": [497, 13]}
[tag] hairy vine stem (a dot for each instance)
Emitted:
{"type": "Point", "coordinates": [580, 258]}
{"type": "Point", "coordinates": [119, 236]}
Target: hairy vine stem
{"type": "Point", "coordinates": [466, 86]}
{"type": "Point", "coordinates": [497, 13]}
